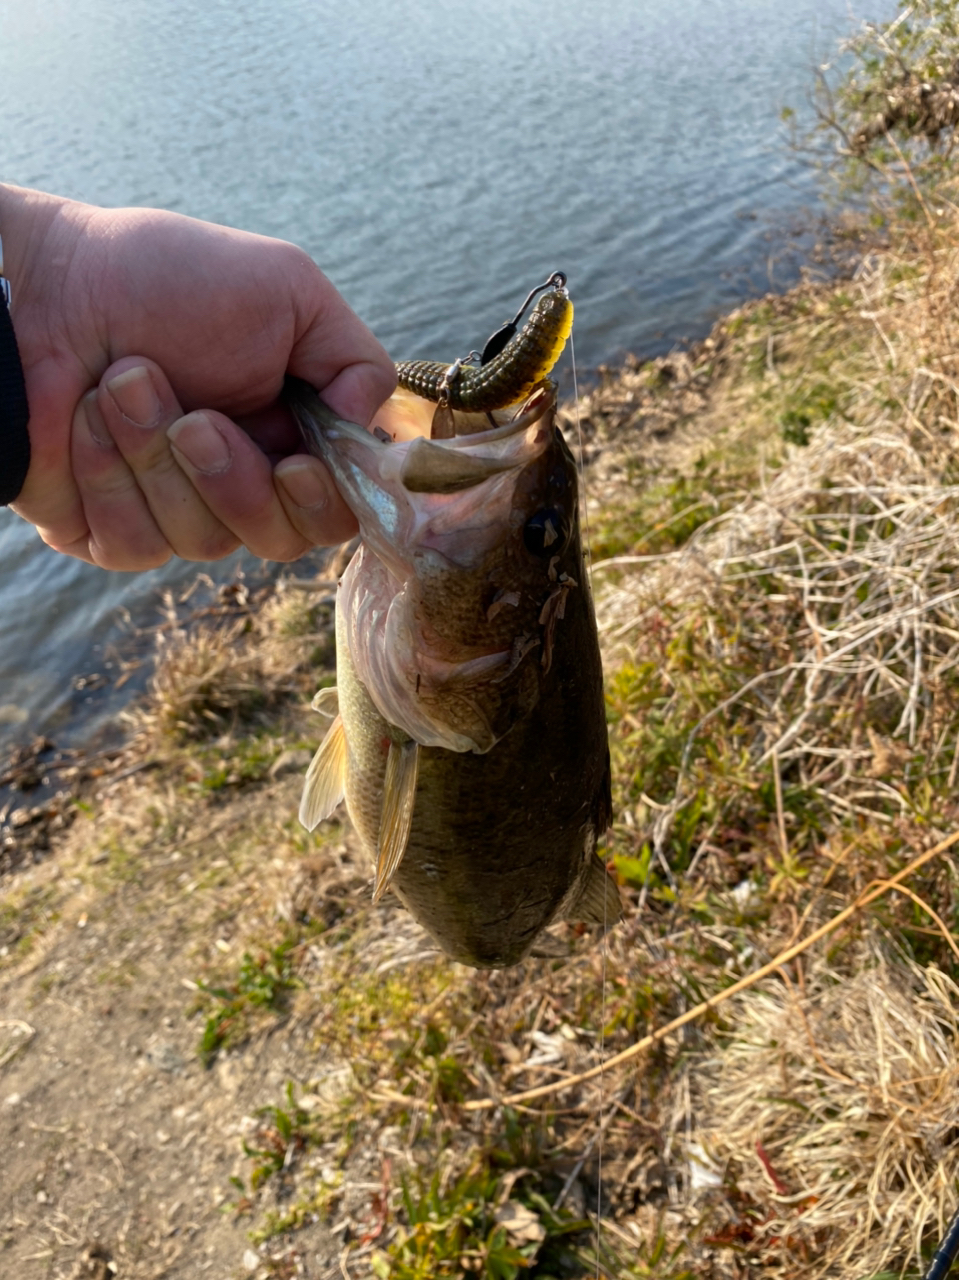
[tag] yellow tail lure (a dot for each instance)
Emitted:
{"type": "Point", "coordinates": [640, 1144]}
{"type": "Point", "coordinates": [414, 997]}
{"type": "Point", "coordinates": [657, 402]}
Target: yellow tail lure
{"type": "Point", "coordinates": [508, 376]}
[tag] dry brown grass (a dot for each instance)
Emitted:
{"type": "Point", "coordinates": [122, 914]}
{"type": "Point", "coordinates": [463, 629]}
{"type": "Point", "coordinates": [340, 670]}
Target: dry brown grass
{"type": "Point", "coordinates": [827, 596]}
{"type": "Point", "coordinates": [834, 1106]}
{"type": "Point", "coordinates": [247, 657]}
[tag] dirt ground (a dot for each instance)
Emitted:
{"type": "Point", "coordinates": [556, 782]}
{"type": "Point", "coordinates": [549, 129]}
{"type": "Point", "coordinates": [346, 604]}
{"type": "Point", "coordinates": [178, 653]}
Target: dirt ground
{"type": "Point", "coordinates": [128, 1150]}
{"type": "Point", "coordinates": [117, 1142]}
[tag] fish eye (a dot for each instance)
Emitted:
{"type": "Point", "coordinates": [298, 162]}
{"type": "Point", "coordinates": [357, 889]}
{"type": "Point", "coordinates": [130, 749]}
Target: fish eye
{"type": "Point", "coordinates": [546, 533]}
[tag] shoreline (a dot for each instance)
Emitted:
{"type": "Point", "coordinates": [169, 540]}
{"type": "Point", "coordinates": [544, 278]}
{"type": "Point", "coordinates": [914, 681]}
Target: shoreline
{"type": "Point", "coordinates": [269, 1056]}
{"type": "Point", "coordinates": [837, 242]}
{"type": "Point", "coordinates": [90, 702]}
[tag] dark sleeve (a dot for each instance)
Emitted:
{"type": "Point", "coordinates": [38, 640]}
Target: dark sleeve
{"type": "Point", "coordinates": [14, 414]}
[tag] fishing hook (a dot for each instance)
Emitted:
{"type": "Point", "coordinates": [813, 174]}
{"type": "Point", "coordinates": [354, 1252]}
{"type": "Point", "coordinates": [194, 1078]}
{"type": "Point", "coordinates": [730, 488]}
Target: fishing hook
{"type": "Point", "coordinates": [498, 340]}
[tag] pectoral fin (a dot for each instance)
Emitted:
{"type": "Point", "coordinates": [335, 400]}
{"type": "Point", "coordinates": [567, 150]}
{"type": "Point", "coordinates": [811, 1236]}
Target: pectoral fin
{"type": "Point", "coordinates": [598, 901]}
{"type": "Point", "coordinates": [399, 795]}
{"type": "Point", "coordinates": [325, 782]}
{"type": "Point", "coordinates": [326, 701]}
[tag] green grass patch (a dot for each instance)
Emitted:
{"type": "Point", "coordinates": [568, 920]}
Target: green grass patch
{"type": "Point", "coordinates": [805, 408]}
{"type": "Point", "coordinates": [24, 920]}
{"type": "Point", "coordinates": [246, 760]}
{"type": "Point", "coordinates": [662, 518]}
{"type": "Point", "coordinates": [262, 986]}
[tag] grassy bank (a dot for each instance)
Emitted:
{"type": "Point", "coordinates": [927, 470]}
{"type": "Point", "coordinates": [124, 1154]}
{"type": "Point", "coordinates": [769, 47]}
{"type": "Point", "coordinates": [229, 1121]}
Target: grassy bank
{"type": "Point", "coordinates": [217, 1055]}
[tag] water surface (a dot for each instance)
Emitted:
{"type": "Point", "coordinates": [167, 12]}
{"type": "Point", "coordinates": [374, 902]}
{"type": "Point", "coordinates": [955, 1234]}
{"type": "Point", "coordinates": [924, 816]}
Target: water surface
{"type": "Point", "coordinates": [436, 161]}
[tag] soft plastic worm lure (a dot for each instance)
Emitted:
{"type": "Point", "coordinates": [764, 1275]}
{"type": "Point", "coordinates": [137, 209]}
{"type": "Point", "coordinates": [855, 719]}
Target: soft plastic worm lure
{"type": "Point", "coordinates": [511, 364]}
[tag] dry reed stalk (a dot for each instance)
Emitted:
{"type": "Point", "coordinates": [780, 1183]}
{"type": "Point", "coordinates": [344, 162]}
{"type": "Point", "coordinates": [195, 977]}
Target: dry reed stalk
{"type": "Point", "coordinates": [857, 536]}
{"type": "Point", "coordinates": [220, 665]}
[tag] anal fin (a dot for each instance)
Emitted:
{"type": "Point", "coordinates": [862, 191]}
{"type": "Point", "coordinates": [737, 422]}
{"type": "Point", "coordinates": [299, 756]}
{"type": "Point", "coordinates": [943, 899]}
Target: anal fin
{"type": "Point", "coordinates": [396, 819]}
{"type": "Point", "coordinates": [325, 782]}
{"type": "Point", "coordinates": [598, 901]}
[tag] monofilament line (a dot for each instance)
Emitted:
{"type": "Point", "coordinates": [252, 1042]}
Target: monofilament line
{"type": "Point", "coordinates": [584, 513]}
{"type": "Point", "coordinates": [602, 1100]}
{"type": "Point", "coordinates": [602, 1025]}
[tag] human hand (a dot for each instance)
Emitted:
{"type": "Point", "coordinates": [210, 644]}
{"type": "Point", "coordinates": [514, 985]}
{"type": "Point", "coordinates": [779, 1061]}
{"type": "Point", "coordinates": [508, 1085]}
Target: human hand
{"type": "Point", "coordinates": [154, 349]}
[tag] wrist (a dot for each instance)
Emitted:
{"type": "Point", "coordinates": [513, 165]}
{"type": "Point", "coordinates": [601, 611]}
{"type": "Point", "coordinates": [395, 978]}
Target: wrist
{"type": "Point", "coordinates": [39, 233]}
{"type": "Point", "coordinates": [15, 448]}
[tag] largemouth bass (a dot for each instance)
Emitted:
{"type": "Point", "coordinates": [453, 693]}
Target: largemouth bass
{"type": "Point", "coordinates": [470, 741]}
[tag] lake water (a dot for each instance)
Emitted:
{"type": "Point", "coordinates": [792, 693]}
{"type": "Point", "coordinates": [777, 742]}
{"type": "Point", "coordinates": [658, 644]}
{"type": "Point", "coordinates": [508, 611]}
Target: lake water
{"type": "Point", "coordinates": [436, 161]}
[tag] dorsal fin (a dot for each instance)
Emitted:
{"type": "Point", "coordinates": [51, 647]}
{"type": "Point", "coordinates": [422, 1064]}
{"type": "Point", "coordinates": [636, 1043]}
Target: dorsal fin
{"type": "Point", "coordinates": [325, 782]}
{"type": "Point", "coordinates": [399, 795]}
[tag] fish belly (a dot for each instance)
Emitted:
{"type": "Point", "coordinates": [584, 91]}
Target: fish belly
{"type": "Point", "coordinates": [501, 842]}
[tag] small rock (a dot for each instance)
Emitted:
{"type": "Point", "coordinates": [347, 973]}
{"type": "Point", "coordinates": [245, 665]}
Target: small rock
{"type": "Point", "coordinates": [294, 760]}
{"type": "Point", "coordinates": [12, 1100]}
{"type": "Point", "coordinates": [334, 1085]}
{"type": "Point", "coordinates": [162, 1137]}
{"type": "Point", "coordinates": [744, 894]}
{"type": "Point", "coordinates": [230, 1074]}
{"type": "Point", "coordinates": [42, 1197]}
{"type": "Point", "coordinates": [164, 1056]}
{"type": "Point", "coordinates": [251, 1260]}
{"type": "Point", "coordinates": [521, 1224]}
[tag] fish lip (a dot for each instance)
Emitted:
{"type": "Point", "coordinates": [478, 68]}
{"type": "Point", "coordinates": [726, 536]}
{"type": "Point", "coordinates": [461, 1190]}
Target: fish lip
{"type": "Point", "coordinates": [313, 415]}
{"type": "Point", "coordinates": [536, 406]}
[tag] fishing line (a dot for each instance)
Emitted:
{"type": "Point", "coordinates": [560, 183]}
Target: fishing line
{"type": "Point", "coordinates": [602, 1101]}
{"type": "Point", "coordinates": [584, 513]}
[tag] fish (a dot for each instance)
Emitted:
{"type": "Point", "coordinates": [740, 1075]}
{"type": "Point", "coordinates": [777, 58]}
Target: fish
{"type": "Point", "coordinates": [469, 739]}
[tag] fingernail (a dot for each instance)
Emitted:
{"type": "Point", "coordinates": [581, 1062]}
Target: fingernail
{"type": "Point", "coordinates": [136, 397]}
{"type": "Point", "coordinates": [303, 485]}
{"type": "Point", "coordinates": [201, 443]}
{"type": "Point", "coordinates": [94, 419]}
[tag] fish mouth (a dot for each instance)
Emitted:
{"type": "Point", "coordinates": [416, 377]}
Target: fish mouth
{"type": "Point", "coordinates": [442, 605]}
{"type": "Point", "coordinates": [408, 491]}
{"type": "Point", "coordinates": [406, 419]}
{"type": "Point", "coordinates": [407, 416]}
